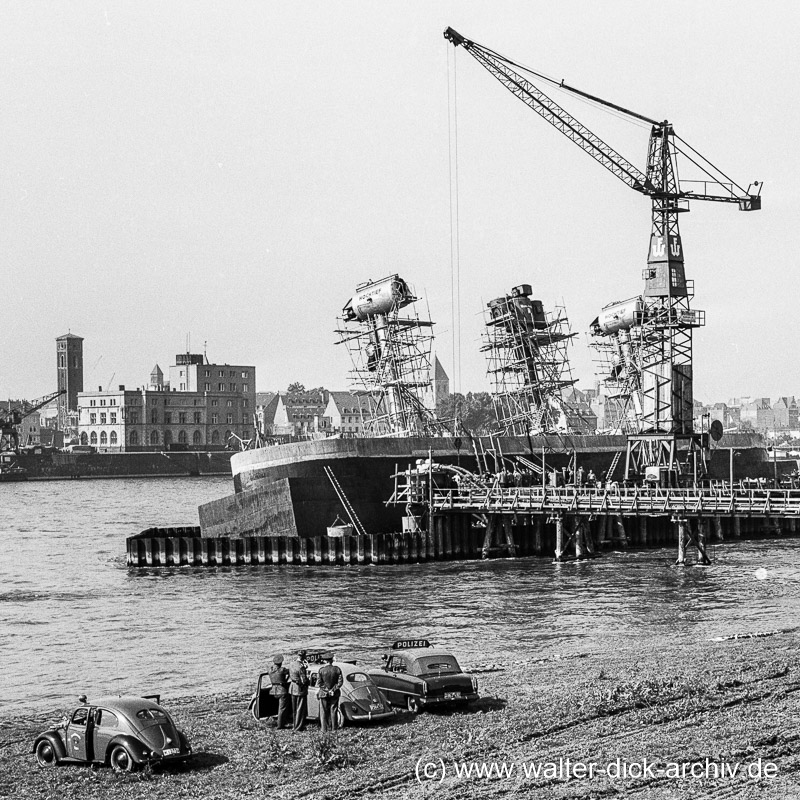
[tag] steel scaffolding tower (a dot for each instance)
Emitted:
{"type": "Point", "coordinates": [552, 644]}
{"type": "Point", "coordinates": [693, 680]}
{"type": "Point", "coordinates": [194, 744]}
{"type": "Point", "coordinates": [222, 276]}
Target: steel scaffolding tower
{"type": "Point", "coordinates": [391, 356]}
{"type": "Point", "coordinates": [527, 363]}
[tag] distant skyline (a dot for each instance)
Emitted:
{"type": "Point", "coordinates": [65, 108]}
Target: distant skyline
{"type": "Point", "coordinates": [230, 172]}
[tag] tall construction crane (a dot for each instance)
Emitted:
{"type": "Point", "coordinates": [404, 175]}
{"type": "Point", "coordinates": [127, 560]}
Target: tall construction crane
{"type": "Point", "coordinates": [663, 327]}
{"type": "Point", "coordinates": [11, 419]}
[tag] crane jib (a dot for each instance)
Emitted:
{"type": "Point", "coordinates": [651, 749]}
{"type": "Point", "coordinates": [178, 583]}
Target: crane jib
{"type": "Point", "coordinates": [503, 70]}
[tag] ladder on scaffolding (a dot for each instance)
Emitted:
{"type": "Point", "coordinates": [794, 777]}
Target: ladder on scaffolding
{"type": "Point", "coordinates": [526, 462]}
{"type": "Point", "coordinates": [613, 466]}
{"type": "Point", "coordinates": [356, 522]}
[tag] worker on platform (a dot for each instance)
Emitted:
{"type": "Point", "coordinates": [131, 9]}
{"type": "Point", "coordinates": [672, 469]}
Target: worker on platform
{"type": "Point", "coordinates": [298, 690]}
{"type": "Point", "coordinates": [279, 677]}
{"type": "Point", "coordinates": [329, 684]}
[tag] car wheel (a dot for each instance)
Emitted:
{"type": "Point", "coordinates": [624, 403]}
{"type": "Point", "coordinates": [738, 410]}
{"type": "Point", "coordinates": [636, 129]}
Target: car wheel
{"type": "Point", "coordinates": [121, 760]}
{"type": "Point", "coordinates": [46, 754]}
{"type": "Point", "coordinates": [414, 705]}
{"type": "Point", "coordinates": [341, 719]}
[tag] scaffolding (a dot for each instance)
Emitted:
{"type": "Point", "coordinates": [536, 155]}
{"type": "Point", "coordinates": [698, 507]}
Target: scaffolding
{"type": "Point", "coordinates": [528, 364]}
{"type": "Point", "coordinates": [391, 357]}
{"type": "Point", "coordinates": [643, 350]}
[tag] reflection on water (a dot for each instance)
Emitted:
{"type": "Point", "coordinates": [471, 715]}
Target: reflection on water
{"type": "Point", "coordinates": [75, 619]}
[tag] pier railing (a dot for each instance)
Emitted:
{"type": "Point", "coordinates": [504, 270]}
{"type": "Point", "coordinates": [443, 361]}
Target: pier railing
{"type": "Point", "coordinates": [613, 500]}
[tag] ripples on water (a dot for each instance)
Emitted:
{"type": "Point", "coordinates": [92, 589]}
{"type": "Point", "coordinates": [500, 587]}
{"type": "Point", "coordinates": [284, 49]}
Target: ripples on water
{"type": "Point", "coordinates": [75, 619]}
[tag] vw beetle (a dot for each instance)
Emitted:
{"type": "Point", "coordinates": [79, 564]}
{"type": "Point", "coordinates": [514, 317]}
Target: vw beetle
{"type": "Point", "coordinates": [123, 732]}
{"type": "Point", "coordinates": [360, 700]}
{"type": "Point", "coordinates": [416, 675]}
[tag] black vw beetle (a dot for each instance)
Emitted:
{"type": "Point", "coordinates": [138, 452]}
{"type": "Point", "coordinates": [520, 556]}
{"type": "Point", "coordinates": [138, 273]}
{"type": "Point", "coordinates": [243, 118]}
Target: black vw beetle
{"type": "Point", "coordinates": [123, 732]}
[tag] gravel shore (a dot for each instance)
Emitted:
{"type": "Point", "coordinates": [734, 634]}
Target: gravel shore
{"type": "Point", "coordinates": [643, 722]}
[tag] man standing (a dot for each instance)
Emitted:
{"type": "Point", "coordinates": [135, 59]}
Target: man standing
{"type": "Point", "coordinates": [329, 682]}
{"type": "Point", "coordinates": [299, 691]}
{"type": "Point", "coordinates": [279, 676]}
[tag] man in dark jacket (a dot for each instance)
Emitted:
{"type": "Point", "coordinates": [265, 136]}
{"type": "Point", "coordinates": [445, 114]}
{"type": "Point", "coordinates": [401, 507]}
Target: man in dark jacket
{"type": "Point", "coordinates": [279, 676]}
{"type": "Point", "coordinates": [329, 683]}
{"type": "Point", "coordinates": [299, 691]}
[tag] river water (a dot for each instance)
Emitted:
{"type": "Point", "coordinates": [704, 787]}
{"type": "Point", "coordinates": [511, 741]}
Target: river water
{"type": "Point", "coordinates": [74, 619]}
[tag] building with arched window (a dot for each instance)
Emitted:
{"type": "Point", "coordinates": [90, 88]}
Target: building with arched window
{"type": "Point", "coordinates": [202, 406]}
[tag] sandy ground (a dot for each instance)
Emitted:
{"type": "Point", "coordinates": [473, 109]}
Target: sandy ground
{"type": "Point", "coordinates": [640, 723]}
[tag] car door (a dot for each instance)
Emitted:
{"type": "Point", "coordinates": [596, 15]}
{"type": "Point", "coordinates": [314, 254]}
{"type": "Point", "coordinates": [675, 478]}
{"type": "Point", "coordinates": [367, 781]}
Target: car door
{"type": "Point", "coordinates": [392, 679]}
{"type": "Point", "coordinates": [265, 705]}
{"type": "Point", "coordinates": [312, 700]}
{"type": "Point", "coordinates": [79, 731]}
{"type": "Point", "coordinates": [106, 727]}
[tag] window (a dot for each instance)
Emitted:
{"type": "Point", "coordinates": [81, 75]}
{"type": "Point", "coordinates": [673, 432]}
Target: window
{"type": "Point", "coordinates": [93, 438]}
{"type": "Point", "coordinates": [102, 402]}
{"type": "Point", "coordinates": [233, 387]}
{"type": "Point", "coordinates": [168, 418]}
{"type": "Point", "coordinates": [105, 718]}
{"type": "Point", "coordinates": [222, 373]}
{"type": "Point", "coordinates": [154, 417]}
{"type": "Point", "coordinates": [81, 716]}
{"type": "Point", "coordinates": [230, 403]}
{"type": "Point", "coordinates": [134, 438]}
{"type": "Point", "coordinates": [133, 417]}
{"type": "Point", "coordinates": [245, 374]}
{"type": "Point", "coordinates": [75, 362]}
{"type": "Point", "coordinates": [154, 437]}
{"type": "Point", "coordinates": [61, 361]}
{"type": "Point", "coordinates": [103, 438]}
{"type": "Point", "coordinates": [93, 419]}
{"type": "Point", "coordinates": [102, 419]}
{"type": "Point", "coordinates": [197, 418]}
{"type": "Point", "coordinates": [245, 387]}
{"type": "Point", "coordinates": [208, 387]}
{"type": "Point", "coordinates": [221, 387]}
{"type": "Point", "coordinates": [84, 438]}
{"type": "Point", "coordinates": [215, 437]}
{"type": "Point", "coordinates": [208, 373]}
{"type": "Point", "coordinates": [227, 436]}
{"type": "Point", "coordinates": [245, 403]}
{"type": "Point", "coordinates": [182, 418]}
{"type": "Point", "coordinates": [214, 419]}
{"type": "Point", "coordinates": [113, 419]}
{"type": "Point", "coordinates": [182, 437]}
{"type": "Point", "coordinates": [215, 402]}
{"type": "Point", "coordinates": [233, 374]}
{"type": "Point", "coordinates": [197, 438]}
{"type": "Point", "coordinates": [229, 419]}
{"type": "Point", "coordinates": [113, 438]}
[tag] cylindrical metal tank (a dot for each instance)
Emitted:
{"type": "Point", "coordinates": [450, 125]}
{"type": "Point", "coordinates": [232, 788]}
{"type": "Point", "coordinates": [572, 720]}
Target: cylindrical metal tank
{"type": "Point", "coordinates": [619, 316]}
{"type": "Point", "coordinates": [378, 297]}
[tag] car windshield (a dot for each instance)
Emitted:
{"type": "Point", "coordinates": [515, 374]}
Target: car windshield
{"type": "Point", "coordinates": [428, 664]}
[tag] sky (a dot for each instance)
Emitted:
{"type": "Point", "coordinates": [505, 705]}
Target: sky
{"type": "Point", "coordinates": [220, 177]}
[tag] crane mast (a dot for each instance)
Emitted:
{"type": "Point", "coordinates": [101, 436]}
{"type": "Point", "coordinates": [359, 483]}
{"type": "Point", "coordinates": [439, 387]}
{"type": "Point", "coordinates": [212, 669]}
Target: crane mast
{"type": "Point", "coordinates": [657, 343]}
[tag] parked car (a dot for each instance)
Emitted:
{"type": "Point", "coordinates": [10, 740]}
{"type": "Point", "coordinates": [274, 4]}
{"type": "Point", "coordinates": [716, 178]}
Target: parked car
{"type": "Point", "coordinates": [416, 675]}
{"type": "Point", "coordinates": [360, 701]}
{"type": "Point", "coordinates": [123, 732]}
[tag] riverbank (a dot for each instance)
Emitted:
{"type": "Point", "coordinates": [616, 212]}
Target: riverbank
{"type": "Point", "coordinates": [687, 711]}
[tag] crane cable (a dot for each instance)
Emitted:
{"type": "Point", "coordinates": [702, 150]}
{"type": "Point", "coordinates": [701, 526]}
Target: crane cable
{"type": "Point", "coordinates": [455, 266]}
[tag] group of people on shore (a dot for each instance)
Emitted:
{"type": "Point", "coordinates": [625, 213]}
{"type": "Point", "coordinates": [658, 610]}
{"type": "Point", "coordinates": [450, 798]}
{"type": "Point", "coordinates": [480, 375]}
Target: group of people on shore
{"type": "Point", "coordinates": [290, 688]}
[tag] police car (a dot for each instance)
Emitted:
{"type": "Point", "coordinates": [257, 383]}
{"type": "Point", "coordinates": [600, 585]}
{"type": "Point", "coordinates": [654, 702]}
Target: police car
{"type": "Point", "coordinates": [123, 732]}
{"type": "Point", "coordinates": [360, 699]}
{"type": "Point", "coordinates": [416, 675]}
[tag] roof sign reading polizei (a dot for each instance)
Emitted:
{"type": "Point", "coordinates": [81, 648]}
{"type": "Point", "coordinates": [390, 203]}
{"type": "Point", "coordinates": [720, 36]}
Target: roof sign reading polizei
{"type": "Point", "coordinates": [404, 644]}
